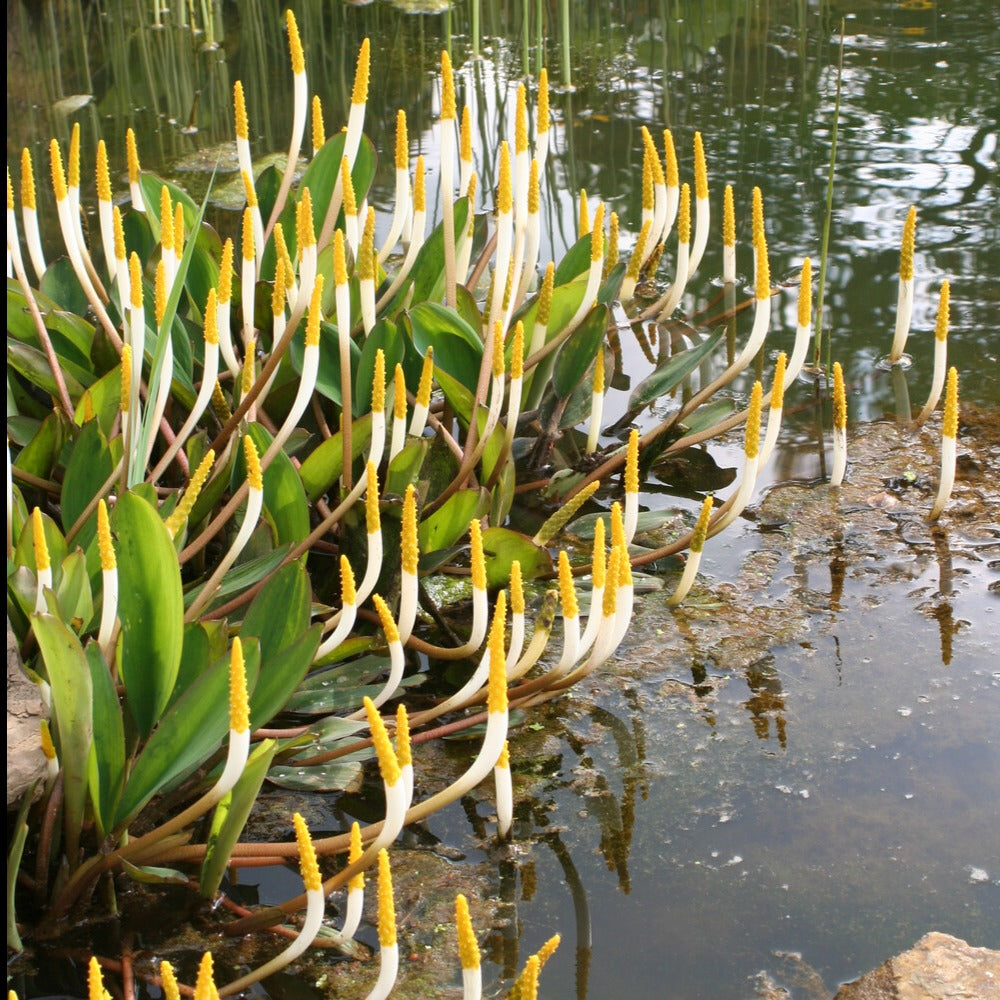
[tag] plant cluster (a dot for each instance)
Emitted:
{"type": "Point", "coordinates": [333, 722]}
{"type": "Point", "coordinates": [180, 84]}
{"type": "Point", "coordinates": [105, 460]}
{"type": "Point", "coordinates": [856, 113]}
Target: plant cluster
{"type": "Point", "coordinates": [203, 432]}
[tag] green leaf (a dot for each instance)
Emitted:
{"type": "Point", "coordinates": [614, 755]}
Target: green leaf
{"type": "Point", "coordinates": [284, 497]}
{"type": "Point", "coordinates": [502, 546]}
{"type": "Point", "coordinates": [451, 520]}
{"type": "Point", "coordinates": [89, 466]}
{"type": "Point", "coordinates": [105, 397]}
{"type": "Point", "coordinates": [709, 414]}
{"type": "Point", "coordinates": [405, 467]}
{"type": "Point", "coordinates": [24, 553]}
{"type": "Point", "coordinates": [242, 576]}
{"type": "Point", "coordinates": [40, 455]}
{"type": "Point", "coordinates": [335, 776]}
{"type": "Point", "coordinates": [328, 375]}
{"type": "Point", "coordinates": [151, 875]}
{"type": "Point", "coordinates": [73, 596]}
{"type": "Point", "coordinates": [324, 466]}
{"type": "Point", "coordinates": [384, 336]}
{"type": "Point", "coordinates": [575, 263]}
{"type": "Point", "coordinates": [34, 366]}
{"type": "Point", "coordinates": [190, 732]}
{"type": "Point", "coordinates": [427, 276]}
{"type": "Point", "coordinates": [60, 284]}
{"type": "Point", "coordinates": [107, 757]}
{"type": "Point", "coordinates": [673, 372]}
{"type": "Point", "coordinates": [577, 354]}
{"type": "Point", "coordinates": [69, 678]}
{"type": "Point", "coordinates": [151, 609]}
{"type": "Point", "coordinates": [457, 348]}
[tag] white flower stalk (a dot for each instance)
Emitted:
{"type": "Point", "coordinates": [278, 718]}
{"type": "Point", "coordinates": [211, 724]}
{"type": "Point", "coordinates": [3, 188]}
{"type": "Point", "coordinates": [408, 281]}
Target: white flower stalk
{"type": "Point", "coordinates": [248, 280]}
{"type": "Point", "coordinates": [403, 751]}
{"type": "Point", "coordinates": [631, 486]}
{"type": "Point", "coordinates": [366, 266]}
{"type": "Point", "coordinates": [904, 301]}
{"type": "Point", "coordinates": [775, 411]}
{"type": "Point", "coordinates": [43, 563]}
{"type": "Point", "coordinates": [167, 366]}
{"type": "Point", "coordinates": [570, 616]}
{"type": "Point", "coordinates": [307, 381]}
{"type": "Point", "coordinates": [402, 203]}
{"type": "Point", "coordinates": [344, 620]}
{"type": "Point", "coordinates": [396, 656]}
{"type": "Point", "coordinates": [673, 187]}
{"type": "Point", "coordinates": [533, 230]}
{"type": "Point", "coordinates": [242, 128]}
{"type": "Point", "coordinates": [465, 165]}
{"type": "Point", "coordinates": [168, 254]}
{"type": "Point", "coordinates": [543, 120]}
{"type": "Point", "coordinates": [132, 158]}
{"type": "Point", "coordinates": [224, 308]}
{"type": "Point", "coordinates": [695, 549]}
{"type": "Point", "coordinates": [596, 403]}
{"type": "Point", "coordinates": [73, 187]}
{"type": "Point", "coordinates": [377, 445]}
{"type": "Point", "coordinates": [728, 237]}
{"type": "Point", "coordinates": [751, 453]}
{"type": "Point", "coordinates": [659, 182]}
{"type": "Point", "coordinates": [374, 525]}
{"type": "Point", "coordinates": [701, 205]}
{"type": "Point", "coordinates": [256, 222]}
{"type": "Point", "coordinates": [762, 309]}
{"type": "Point", "coordinates": [315, 905]}
{"type": "Point", "coordinates": [418, 229]}
{"type": "Point", "coordinates": [175, 520]}
{"type": "Point", "coordinates": [516, 616]}
{"type": "Point", "coordinates": [598, 574]}
{"type": "Point", "coordinates": [13, 240]}
{"type": "Point", "coordinates": [516, 385]}
{"type": "Point", "coordinates": [668, 303]}
{"type": "Point", "coordinates": [595, 271]}
{"type": "Point", "coordinates": [604, 642]}
{"type": "Point", "coordinates": [504, 792]}
{"type": "Point", "coordinates": [109, 581]}
{"type": "Point", "coordinates": [209, 376]}
{"type": "Point", "coordinates": [446, 139]}
{"type": "Point", "coordinates": [423, 398]}
{"type": "Point", "coordinates": [410, 557]}
{"type": "Point", "coordinates": [949, 441]}
{"type": "Point", "coordinates": [468, 951]}
{"type": "Point", "coordinates": [839, 466]}
{"type": "Point", "coordinates": [803, 328]}
{"type": "Point", "coordinates": [940, 352]}
{"type": "Point", "coordinates": [305, 236]}
{"type": "Point", "coordinates": [239, 733]}
{"type": "Point", "coordinates": [352, 231]}
{"type": "Point", "coordinates": [388, 953]}
{"type": "Point", "coordinates": [29, 214]}
{"type": "Point", "coordinates": [355, 888]}
{"type": "Point", "coordinates": [505, 232]}
{"type": "Point", "coordinates": [105, 213]}
{"type": "Point", "coordinates": [318, 128]}
{"type": "Point", "coordinates": [392, 780]}
{"type": "Point", "coordinates": [634, 268]}
{"type": "Point", "coordinates": [343, 306]}
{"type": "Point", "coordinates": [398, 437]}
{"type": "Point", "coordinates": [626, 590]}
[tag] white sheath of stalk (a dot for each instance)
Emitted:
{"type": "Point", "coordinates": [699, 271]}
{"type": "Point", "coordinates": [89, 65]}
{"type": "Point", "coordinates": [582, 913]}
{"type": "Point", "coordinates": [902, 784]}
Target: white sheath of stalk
{"type": "Point", "coordinates": [406, 777]}
{"type": "Point", "coordinates": [532, 242]}
{"type": "Point", "coordinates": [741, 499]}
{"type": "Point", "coordinates": [505, 227]}
{"type": "Point", "coordinates": [516, 640]}
{"type": "Point", "coordinates": [676, 290]}
{"type": "Point", "coordinates": [571, 646]}
{"type": "Point", "coordinates": [513, 410]}
{"type": "Point", "coordinates": [135, 193]}
{"type": "Point", "coordinates": [248, 286]}
{"type": "Point", "coordinates": [44, 580]}
{"type": "Point", "coordinates": [162, 390]}
{"type": "Point", "coordinates": [255, 502]}
{"type": "Point", "coordinates": [387, 971]}
{"type": "Point", "coordinates": [590, 293]}
{"type": "Point", "coordinates": [505, 799]}
{"type": "Point", "coordinates": [419, 419]}
{"type": "Point", "coordinates": [373, 568]}
{"type": "Point", "coordinates": [407, 605]}
{"type": "Point", "coordinates": [68, 229]}
{"type": "Point", "coordinates": [593, 620]}
{"type": "Point", "coordinates": [351, 232]}
{"type": "Point", "coordinates": [124, 285]}
{"type": "Point", "coordinates": [307, 382]}
{"type": "Point", "coordinates": [395, 815]}
{"type": "Point", "coordinates": [398, 436]}
{"type": "Point", "coordinates": [761, 321]}
{"type": "Point", "coordinates": [352, 915]}
{"type": "Point", "coordinates": [516, 268]}
{"type": "Point", "coordinates": [367, 289]}
{"type": "Point", "coordinates": [839, 466]}
{"type": "Point", "coordinates": [446, 135]}
{"type": "Point", "coordinates": [537, 339]}
{"type": "Point", "coordinates": [300, 91]}
{"type": "Point", "coordinates": [236, 759]}
{"type": "Point", "coordinates": [13, 244]}
{"type": "Point", "coordinates": [623, 614]}
{"type": "Point", "coordinates": [245, 160]}
{"type": "Point", "coordinates": [522, 166]}
{"type": "Point", "coordinates": [687, 579]}
{"type": "Point", "coordinates": [307, 277]}
{"type": "Point", "coordinates": [278, 331]}
{"type": "Point", "coordinates": [399, 214]}
{"type": "Point", "coordinates": [947, 484]}
{"type": "Point", "coordinates": [169, 268]}
{"type": "Point", "coordinates": [659, 215]}
{"type": "Point", "coordinates": [417, 233]}
{"type": "Point", "coordinates": [728, 264]}
{"type": "Point", "coordinates": [541, 148]}
{"type": "Point", "coordinates": [34, 240]}
{"type": "Point", "coordinates": [496, 401]}
{"type": "Point", "coordinates": [463, 250]}
{"type": "Point", "coordinates": [472, 984]}
{"type": "Point", "coordinates": [474, 684]}
{"type": "Point", "coordinates": [702, 220]}
{"type": "Point", "coordinates": [377, 446]}
{"type": "Point", "coordinates": [631, 515]}
{"type": "Point", "coordinates": [803, 334]}
{"type": "Point", "coordinates": [345, 619]}
{"type": "Point", "coordinates": [73, 194]}
{"type": "Point", "coordinates": [904, 309]}
{"type": "Point", "coordinates": [673, 204]}
{"type": "Point", "coordinates": [396, 663]}
{"type": "Point", "coordinates": [770, 435]}
{"type": "Point", "coordinates": [137, 336]}
{"type": "Point", "coordinates": [604, 646]}
{"type": "Point", "coordinates": [647, 216]}
{"type": "Point", "coordinates": [596, 416]}
{"type": "Point", "coordinates": [937, 382]}
{"type": "Point", "coordinates": [355, 126]}
{"type": "Point", "coordinates": [105, 215]}
{"type": "Point", "coordinates": [226, 339]}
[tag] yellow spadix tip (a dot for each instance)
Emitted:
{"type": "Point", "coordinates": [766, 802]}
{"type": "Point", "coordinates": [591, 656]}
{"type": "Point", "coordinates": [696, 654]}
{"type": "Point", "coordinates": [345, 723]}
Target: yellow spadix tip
{"type": "Point", "coordinates": [635, 261]}
{"type": "Point", "coordinates": [388, 764]}
{"type": "Point", "coordinates": [255, 478]}
{"type": "Point", "coordinates": [386, 620]}
{"type": "Point", "coordinates": [684, 215]}
{"type": "Point", "coordinates": [373, 522]}
{"type": "Point", "coordinates": [318, 127]}
{"type": "Point", "coordinates": [95, 981]}
{"type": "Point", "coordinates": [347, 186]}
{"type": "Point", "coordinates": [226, 271]}
{"type": "Point", "coordinates": [408, 540]}
{"type": "Point", "coordinates": [505, 189]}
{"type": "Point", "coordinates": [419, 187]}
{"type": "Point", "coordinates": [941, 327]}
{"type": "Point", "coordinates": [545, 294]}
{"type": "Point", "coordinates": [27, 180]}
{"type": "Point", "coordinates": [399, 393]}
{"type": "Point", "coordinates": [41, 546]}
{"type": "Point", "coordinates": [307, 856]}
{"type": "Point", "coordinates": [126, 379]}
{"type": "Point", "coordinates": [632, 463]}
{"type": "Point", "coordinates": [402, 141]}
{"type": "Point", "coordinates": [498, 356]}
{"type": "Point", "coordinates": [597, 235]}
{"type": "Point", "coordinates": [805, 293]}
{"type": "Point", "coordinates": [751, 445]}
{"type": "Point", "coordinates": [728, 217]}
{"type": "Point", "coordinates": [534, 192]}
{"type": "Point", "coordinates": [366, 251]}
{"type": "Point", "coordinates": [168, 982]}
{"type": "Point", "coordinates": [778, 385]}
{"type": "Point", "coordinates": [361, 73]}
{"type": "Point", "coordinates": [45, 735]}
{"type": "Point", "coordinates": [73, 166]}
{"type": "Point", "coordinates": [648, 195]}
{"type": "Point", "coordinates": [909, 242]}
{"type": "Point", "coordinates": [248, 372]}
{"type": "Point", "coordinates": [496, 692]}
{"type": "Point", "coordinates": [542, 110]}
{"type": "Point", "coordinates": [249, 191]}
{"type": "Point", "coordinates": [211, 314]}
{"type": "Point", "coordinates": [670, 159]}
{"type": "Point", "coordinates": [598, 382]}
{"type": "Point", "coordinates": [239, 706]}
{"type": "Point", "coordinates": [295, 44]}
{"type": "Point", "coordinates": [763, 284]}
{"type": "Point", "coordinates": [700, 168]}
{"type": "Point", "coordinates": [468, 947]}
{"type": "Point", "coordinates": [378, 382]}
{"type": "Point", "coordinates": [757, 216]}
{"type": "Point", "coordinates": [166, 219]}
{"type": "Point", "coordinates": [583, 224]}
{"type": "Point", "coordinates": [516, 588]}
{"type": "Point", "coordinates": [240, 112]}
{"type": "Point", "coordinates": [609, 603]}
{"type": "Point", "coordinates": [103, 174]}
{"type": "Point", "coordinates": [403, 754]}
{"type": "Point", "coordinates": [839, 397]}
{"type": "Point", "coordinates": [339, 258]}
{"type": "Point", "coordinates": [521, 121]}
{"type": "Point", "coordinates": [204, 987]}
{"type": "Point", "coordinates": [599, 566]}
{"type": "Point", "coordinates": [58, 175]}
{"type": "Point", "coordinates": [517, 352]}
{"type": "Point", "coordinates": [353, 853]}
{"type": "Point", "coordinates": [701, 526]}
{"type": "Point", "coordinates": [567, 590]}
{"type": "Point", "coordinates": [348, 591]}
{"type": "Point", "coordinates": [131, 156]}
{"type": "Point", "coordinates": [478, 558]}
{"type": "Point", "coordinates": [104, 544]}
{"type": "Point", "coordinates": [386, 904]}
{"type": "Point", "coordinates": [465, 135]}
{"type": "Point", "coordinates": [447, 88]}
{"type": "Point", "coordinates": [950, 426]}
{"type": "Point", "coordinates": [315, 313]}
{"type": "Point", "coordinates": [426, 378]}
{"type": "Point", "coordinates": [119, 232]}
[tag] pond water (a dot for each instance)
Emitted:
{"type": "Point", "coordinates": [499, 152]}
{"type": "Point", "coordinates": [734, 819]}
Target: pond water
{"type": "Point", "coordinates": [800, 774]}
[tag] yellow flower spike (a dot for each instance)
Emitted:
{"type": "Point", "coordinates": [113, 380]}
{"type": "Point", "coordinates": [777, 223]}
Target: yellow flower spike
{"type": "Point", "coordinates": [583, 225]}
{"type": "Point", "coordinates": [496, 692]}
{"type": "Point", "coordinates": [684, 215]}
{"type": "Point", "coordinates": [73, 163]}
{"type": "Point", "coordinates": [255, 477]}
{"type": "Point", "coordinates": [160, 291]}
{"type": "Point", "coordinates": [909, 240]}
{"type": "Point", "coordinates": [763, 289]}
{"type": "Point", "coordinates": [88, 406]}
{"type": "Point", "coordinates": [403, 752]}
{"type": "Point", "coordinates": [504, 759]}
{"type": "Point", "coordinates": [648, 199]}
{"type": "Point", "coordinates": [700, 532]}
{"type": "Point", "coordinates": [468, 947]}
{"type": "Point", "coordinates": [45, 735]}
{"type": "Point", "coordinates": [419, 187]}
{"type": "Point", "coordinates": [567, 591]}
{"type": "Point", "coordinates": [248, 190]}
{"type": "Point", "coordinates": [339, 258]}
{"type": "Point", "coordinates": [700, 169]}
{"type": "Point", "coordinates": [670, 159]}
{"type": "Point", "coordinates": [654, 258]}
{"type": "Point", "coordinates": [226, 271]}
{"type": "Point", "coordinates": [372, 521]}
{"type": "Point", "coordinates": [477, 557]}
{"type": "Point", "coordinates": [399, 394]}
{"type": "Point", "coordinates": [465, 135]}
{"type": "Point", "coordinates": [516, 589]}
{"type": "Point", "coordinates": [378, 382]}
{"type": "Point", "coordinates": [447, 87]}
{"type": "Point", "coordinates": [505, 192]}
{"type": "Point", "coordinates": [385, 619]}
{"type": "Point", "coordinates": [204, 986]}
{"type": "Point", "coordinates": [186, 504]}
{"type": "Point", "coordinates": [278, 288]}
{"type": "Point", "coordinates": [839, 397]}
{"type": "Point", "coordinates": [805, 293]}
{"type": "Point", "coordinates": [95, 981]}
{"type": "Point", "coordinates": [247, 375]}
{"type": "Point", "coordinates": [316, 310]}
{"type": "Point", "coordinates": [654, 160]}
{"type": "Point", "coordinates": [751, 445]}
{"type": "Point", "coordinates": [543, 100]}
{"type": "Point", "coordinates": [166, 219]}
{"type": "Point", "coordinates": [599, 566]}
{"type": "Point", "coordinates": [545, 295]}
{"type": "Point", "coordinates": [521, 121]}
{"type": "Point", "coordinates": [219, 405]}
{"type": "Point", "coordinates": [307, 856]}
{"type": "Point", "coordinates": [617, 526]}
{"type": "Point", "coordinates": [402, 141]}
{"type": "Point", "coordinates": [498, 358]}
{"type": "Point", "coordinates": [635, 261]}
{"type": "Point", "coordinates": [426, 378]}
{"type": "Point", "coordinates": [778, 385]}
{"type": "Point", "coordinates": [211, 325]}
{"type": "Point", "coordinates": [132, 157]}
{"type": "Point", "coordinates": [239, 705]}
{"type": "Point", "coordinates": [318, 128]}
{"type": "Point", "coordinates": [366, 252]}
{"type": "Point", "coordinates": [597, 235]}
{"type": "Point", "coordinates": [632, 463]}
{"type": "Point", "coordinates": [353, 853]}
{"type": "Point", "coordinates": [104, 544]}
{"type": "Point", "coordinates": [408, 542]}
{"type": "Point", "coordinates": [609, 603]}
{"type": "Point", "coordinates": [517, 352]}
{"type": "Point", "coordinates": [624, 568]}
{"type": "Point", "coordinates": [168, 982]}
{"type": "Point", "coordinates": [534, 192]}
{"type": "Point", "coordinates": [240, 112]}
{"type": "Point", "coordinates": [58, 176]}
{"type": "Point", "coordinates": [943, 313]}
{"type": "Point", "coordinates": [294, 44]}
{"type": "Point", "coordinates": [598, 382]}
{"type": "Point", "coordinates": [348, 593]}
{"type": "Point", "coordinates": [388, 764]}
{"type": "Point", "coordinates": [119, 232]}
{"type": "Point", "coordinates": [41, 546]}
{"type": "Point", "coordinates": [557, 521]}
{"type": "Point", "coordinates": [386, 904]}
{"type": "Point", "coordinates": [757, 217]}
{"type": "Point", "coordinates": [611, 257]}
{"type": "Point", "coordinates": [103, 174]}
{"type": "Point", "coordinates": [529, 979]}
{"type": "Point", "coordinates": [179, 228]}
{"type": "Point", "coordinates": [126, 386]}
{"type": "Point", "coordinates": [27, 180]}
{"type": "Point", "coordinates": [728, 217]}
{"type": "Point", "coordinates": [361, 73]}
{"type": "Point", "coordinates": [247, 242]}
{"type": "Point", "coordinates": [346, 182]}
{"type": "Point", "coordinates": [949, 427]}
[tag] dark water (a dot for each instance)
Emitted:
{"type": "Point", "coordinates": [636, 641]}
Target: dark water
{"type": "Point", "coordinates": [835, 793]}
